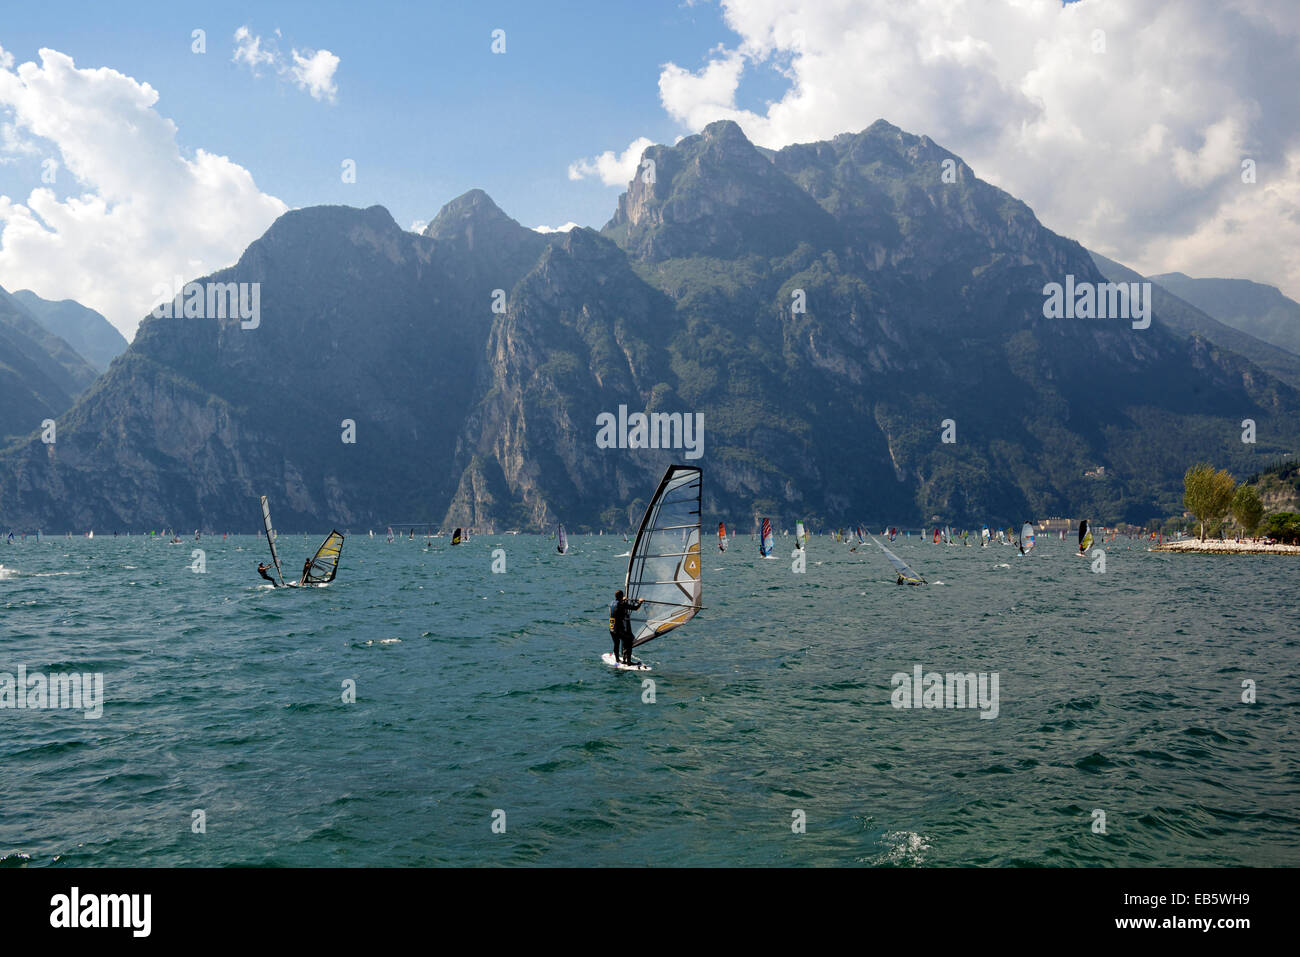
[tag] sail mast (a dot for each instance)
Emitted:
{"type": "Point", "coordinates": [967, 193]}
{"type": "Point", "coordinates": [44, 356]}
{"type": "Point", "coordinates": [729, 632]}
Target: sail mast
{"type": "Point", "coordinates": [270, 537]}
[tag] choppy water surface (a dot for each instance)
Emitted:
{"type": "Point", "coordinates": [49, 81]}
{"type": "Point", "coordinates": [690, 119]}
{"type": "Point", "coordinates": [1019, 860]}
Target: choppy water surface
{"type": "Point", "coordinates": [477, 691]}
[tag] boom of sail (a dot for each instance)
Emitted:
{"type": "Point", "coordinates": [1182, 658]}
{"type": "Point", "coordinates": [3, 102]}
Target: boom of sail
{"type": "Point", "coordinates": [663, 571]}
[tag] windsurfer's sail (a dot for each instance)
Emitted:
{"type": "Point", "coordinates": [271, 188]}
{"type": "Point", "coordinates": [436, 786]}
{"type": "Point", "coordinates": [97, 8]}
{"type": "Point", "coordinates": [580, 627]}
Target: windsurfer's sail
{"type": "Point", "coordinates": [905, 574]}
{"type": "Point", "coordinates": [663, 571]}
{"type": "Point", "coordinates": [564, 541]}
{"type": "Point", "coordinates": [456, 537]}
{"type": "Point", "coordinates": [270, 537]}
{"type": "Point", "coordinates": [800, 536]}
{"type": "Point", "coordinates": [325, 563]}
{"type": "Point", "coordinates": [1026, 539]}
{"type": "Point", "coordinates": [1085, 536]}
{"type": "Point", "coordinates": [722, 536]}
{"type": "Point", "coordinates": [766, 541]}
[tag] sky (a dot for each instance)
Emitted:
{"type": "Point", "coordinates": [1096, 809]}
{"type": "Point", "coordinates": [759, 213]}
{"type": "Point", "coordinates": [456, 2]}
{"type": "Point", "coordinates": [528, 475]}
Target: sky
{"type": "Point", "coordinates": [133, 149]}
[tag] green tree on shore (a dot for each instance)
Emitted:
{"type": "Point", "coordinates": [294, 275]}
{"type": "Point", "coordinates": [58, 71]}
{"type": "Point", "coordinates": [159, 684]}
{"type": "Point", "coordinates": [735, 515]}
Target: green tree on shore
{"type": "Point", "coordinates": [1247, 508]}
{"type": "Point", "coordinates": [1208, 493]}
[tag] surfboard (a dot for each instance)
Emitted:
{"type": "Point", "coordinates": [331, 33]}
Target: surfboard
{"type": "Point", "coordinates": [613, 662]}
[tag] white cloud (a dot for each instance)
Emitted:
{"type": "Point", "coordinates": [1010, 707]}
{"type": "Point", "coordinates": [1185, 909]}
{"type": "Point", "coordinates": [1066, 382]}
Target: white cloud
{"type": "Point", "coordinates": [613, 170]}
{"type": "Point", "coordinates": [13, 143]}
{"type": "Point", "coordinates": [556, 229]}
{"type": "Point", "coordinates": [315, 74]}
{"type": "Point", "coordinates": [1134, 151]}
{"type": "Point", "coordinates": [311, 71]}
{"type": "Point", "coordinates": [146, 212]}
{"type": "Point", "coordinates": [419, 225]}
{"type": "Point", "coordinates": [248, 49]}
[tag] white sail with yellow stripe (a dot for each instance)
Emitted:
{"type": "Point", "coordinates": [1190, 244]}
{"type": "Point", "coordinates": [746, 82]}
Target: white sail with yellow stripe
{"type": "Point", "coordinates": [663, 571]}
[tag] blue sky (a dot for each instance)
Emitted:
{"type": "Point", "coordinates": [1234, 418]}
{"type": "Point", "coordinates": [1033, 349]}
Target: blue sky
{"type": "Point", "coordinates": [1124, 124]}
{"type": "Point", "coordinates": [423, 105]}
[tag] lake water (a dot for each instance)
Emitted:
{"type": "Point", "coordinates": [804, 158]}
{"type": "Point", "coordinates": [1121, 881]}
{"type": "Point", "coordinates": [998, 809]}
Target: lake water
{"type": "Point", "coordinates": [480, 692]}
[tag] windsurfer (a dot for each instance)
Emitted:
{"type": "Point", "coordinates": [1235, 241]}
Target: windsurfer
{"type": "Point", "coordinates": [263, 570]}
{"type": "Point", "coordinates": [306, 570]}
{"type": "Point", "coordinates": [620, 625]}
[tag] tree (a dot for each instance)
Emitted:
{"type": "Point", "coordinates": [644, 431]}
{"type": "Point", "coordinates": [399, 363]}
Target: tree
{"type": "Point", "coordinates": [1207, 493]}
{"type": "Point", "coordinates": [1247, 508]}
{"type": "Point", "coordinates": [1282, 526]}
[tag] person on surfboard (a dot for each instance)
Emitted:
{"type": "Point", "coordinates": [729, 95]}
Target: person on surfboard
{"type": "Point", "coordinates": [263, 570]}
{"type": "Point", "coordinates": [306, 570]}
{"type": "Point", "coordinates": [620, 625]}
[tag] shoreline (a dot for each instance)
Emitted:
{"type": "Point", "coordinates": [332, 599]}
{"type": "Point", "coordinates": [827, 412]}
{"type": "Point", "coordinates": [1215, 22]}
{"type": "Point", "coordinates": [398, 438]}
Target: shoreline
{"type": "Point", "coordinates": [1215, 547]}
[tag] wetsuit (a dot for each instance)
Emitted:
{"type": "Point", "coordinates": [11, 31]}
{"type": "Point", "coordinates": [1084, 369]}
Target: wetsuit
{"type": "Point", "coordinates": [263, 571]}
{"type": "Point", "coordinates": [615, 624]}
{"type": "Point", "coordinates": [620, 626]}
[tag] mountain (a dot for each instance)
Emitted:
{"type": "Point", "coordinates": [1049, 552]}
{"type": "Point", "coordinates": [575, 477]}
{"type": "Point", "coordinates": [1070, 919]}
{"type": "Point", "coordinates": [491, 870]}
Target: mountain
{"type": "Point", "coordinates": [1278, 486]}
{"type": "Point", "coordinates": [829, 309]}
{"type": "Point", "coordinates": [1252, 307]}
{"type": "Point", "coordinates": [359, 321]}
{"type": "Point", "coordinates": [1185, 320]}
{"type": "Point", "coordinates": [40, 374]}
{"type": "Point", "coordinates": [89, 333]}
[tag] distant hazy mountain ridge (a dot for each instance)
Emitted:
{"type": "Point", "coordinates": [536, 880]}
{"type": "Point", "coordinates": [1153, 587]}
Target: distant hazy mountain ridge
{"type": "Point", "coordinates": [89, 333]}
{"type": "Point", "coordinates": [40, 373]}
{"type": "Point", "coordinates": [1249, 306]}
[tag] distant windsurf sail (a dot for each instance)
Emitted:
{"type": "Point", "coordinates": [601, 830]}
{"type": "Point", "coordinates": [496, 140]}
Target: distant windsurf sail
{"type": "Point", "coordinates": [900, 566]}
{"type": "Point", "coordinates": [1026, 539]}
{"type": "Point", "coordinates": [936, 536]}
{"type": "Point", "coordinates": [1085, 536]}
{"type": "Point", "coordinates": [800, 536]}
{"type": "Point", "coordinates": [270, 537]}
{"type": "Point", "coordinates": [564, 540]}
{"type": "Point", "coordinates": [663, 571]}
{"type": "Point", "coordinates": [390, 536]}
{"type": "Point", "coordinates": [456, 537]}
{"type": "Point", "coordinates": [325, 563]}
{"type": "Point", "coordinates": [766, 541]}
{"type": "Point", "coordinates": [722, 536]}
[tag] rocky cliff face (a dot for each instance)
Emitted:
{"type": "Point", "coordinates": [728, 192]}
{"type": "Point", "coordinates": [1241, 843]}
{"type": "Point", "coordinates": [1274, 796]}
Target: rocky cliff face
{"type": "Point", "coordinates": [826, 308]}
